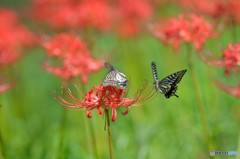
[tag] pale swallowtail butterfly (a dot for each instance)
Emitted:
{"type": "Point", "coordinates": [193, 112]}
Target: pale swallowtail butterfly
{"type": "Point", "coordinates": [114, 77]}
{"type": "Point", "coordinates": [168, 85]}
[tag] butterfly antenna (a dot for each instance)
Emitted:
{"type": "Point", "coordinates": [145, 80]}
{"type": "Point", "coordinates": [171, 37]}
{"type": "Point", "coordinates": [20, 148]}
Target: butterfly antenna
{"type": "Point", "coordinates": [108, 66]}
{"type": "Point", "coordinates": [175, 95]}
{"type": "Point", "coordinates": [154, 71]}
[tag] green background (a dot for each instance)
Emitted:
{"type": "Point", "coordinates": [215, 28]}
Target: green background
{"type": "Point", "coordinates": [30, 119]}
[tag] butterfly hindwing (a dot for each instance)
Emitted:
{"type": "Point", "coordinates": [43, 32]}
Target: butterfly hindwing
{"type": "Point", "coordinates": [114, 77]}
{"type": "Point", "coordinates": [167, 86]}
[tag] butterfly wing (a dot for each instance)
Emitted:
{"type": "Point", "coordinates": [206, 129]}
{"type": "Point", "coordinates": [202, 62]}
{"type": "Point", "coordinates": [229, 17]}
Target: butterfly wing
{"type": "Point", "coordinates": [155, 76]}
{"type": "Point", "coordinates": [108, 66]}
{"type": "Point", "coordinates": [114, 77]}
{"type": "Point", "coordinates": [169, 84]}
{"type": "Point", "coordinates": [110, 79]}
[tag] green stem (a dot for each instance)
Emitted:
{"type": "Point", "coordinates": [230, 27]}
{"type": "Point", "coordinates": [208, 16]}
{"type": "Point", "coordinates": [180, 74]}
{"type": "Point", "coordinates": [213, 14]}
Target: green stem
{"type": "Point", "coordinates": [60, 153]}
{"type": "Point", "coordinates": [109, 134]}
{"type": "Point", "coordinates": [234, 30]}
{"type": "Point", "coordinates": [91, 129]}
{"type": "Point", "coordinates": [238, 148]}
{"type": "Point", "coordinates": [3, 147]}
{"type": "Point", "coordinates": [93, 138]}
{"type": "Point", "coordinates": [61, 135]}
{"type": "Point", "coordinates": [199, 99]}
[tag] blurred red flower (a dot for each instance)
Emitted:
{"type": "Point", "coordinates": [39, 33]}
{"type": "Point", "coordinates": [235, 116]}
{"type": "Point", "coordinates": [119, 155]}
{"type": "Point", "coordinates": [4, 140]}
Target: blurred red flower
{"type": "Point", "coordinates": [14, 37]}
{"type": "Point", "coordinates": [73, 55]}
{"type": "Point", "coordinates": [73, 14]}
{"type": "Point", "coordinates": [185, 28]}
{"type": "Point", "coordinates": [104, 97]}
{"type": "Point", "coordinates": [95, 13]}
{"type": "Point", "coordinates": [130, 15]}
{"type": "Point", "coordinates": [230, 58]}
{"type": "Point", "coordinates": [5, 86]}
{"type": "Point", "coordinates": [234, 91]}
{"type": "Point", "coordinates": [229, 10]}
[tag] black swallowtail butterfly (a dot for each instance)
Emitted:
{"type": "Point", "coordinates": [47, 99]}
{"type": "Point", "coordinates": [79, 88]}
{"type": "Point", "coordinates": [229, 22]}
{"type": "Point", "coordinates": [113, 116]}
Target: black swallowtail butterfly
{"type": "Point", "coordinates": [167, 86]}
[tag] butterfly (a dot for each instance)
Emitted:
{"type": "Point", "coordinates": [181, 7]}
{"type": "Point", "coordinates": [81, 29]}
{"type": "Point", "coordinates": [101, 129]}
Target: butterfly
{"type": "Point", "coordinates": [168, 85]}
{"type": "Point", "coordinates": [114, 77]}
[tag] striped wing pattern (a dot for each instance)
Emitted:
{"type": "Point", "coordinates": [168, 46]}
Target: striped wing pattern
{"type": "Point", "coordinates": [114, 77]}
{"type": "Point", "coordinates": [171, 80]}
{"type": "Point", "coordinates": [167, 86]}
{"type": "Point", "coordinates": [154, 71]}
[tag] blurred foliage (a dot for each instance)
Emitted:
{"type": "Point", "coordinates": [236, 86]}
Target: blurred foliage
{"type": "Point", "coordinates": [164, 128]}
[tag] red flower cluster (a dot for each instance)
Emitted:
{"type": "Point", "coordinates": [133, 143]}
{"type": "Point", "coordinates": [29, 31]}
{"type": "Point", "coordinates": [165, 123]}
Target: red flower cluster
{"type": "Point", "coordinates": [234, 91]}
{"type": "Point", "coordinates": [131, 14]}
{"type": "Point", "coordinates": [185, 28]}
{"type": "Point", "coordinates": [104, 97]}
{"type": "Point", "coordinates": [124, 15]}
{"type": "Point", "coordinates": [230, 58]}
{"type": "Point", "coordinates": [73, 55]}
{"type": "Point", "coordinates": [73, 14]}
{"type": "Point", "coordinates": [230, 10]}
{"type": "Point", "coordinates": [14, 36]}
{"type": "Point", "coordinates": [5, 86]}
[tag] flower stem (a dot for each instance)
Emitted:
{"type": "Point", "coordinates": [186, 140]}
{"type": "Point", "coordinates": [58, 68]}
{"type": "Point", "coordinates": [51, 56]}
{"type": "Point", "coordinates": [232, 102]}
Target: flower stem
{"type": "Point", "coordinates": [91, 129]}
{"type": "Point", "coordinates": [3, 147]}
{"type": "Point", "coordinates": [199, 99]}
{"type": "Point", "coordinates": [93, 138]}
{"type": "Point", "coordinates": [109, 135]}
{"type": "Point", "coordinates": [61, 135]}
{"type": "Point", "coordinates": [234, 30]}
{"type": "Point", "coordinates": [238, 147]}
{"type": "Point", "coordinates": [60, 154]}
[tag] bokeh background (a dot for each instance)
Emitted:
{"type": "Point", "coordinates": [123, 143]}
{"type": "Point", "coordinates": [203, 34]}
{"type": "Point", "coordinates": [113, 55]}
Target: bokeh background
{"type": "Point", "coordinates": [30, 119]}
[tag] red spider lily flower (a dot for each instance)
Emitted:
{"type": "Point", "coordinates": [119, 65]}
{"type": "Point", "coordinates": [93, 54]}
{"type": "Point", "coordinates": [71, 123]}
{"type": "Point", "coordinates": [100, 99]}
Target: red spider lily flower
{"type": "Point", "coordinates": [230, 58]}
{"type": "Point", "coordinates": [214, 8]}
{"type": "Point", "coordinates": [6, 86]}
{"type": "Point", "coordinates": [73, 55]}
{"type": "Point", "coordinates": [95, 13]}
{"type": "Point", "coordinates": [233, 11]}
{"type": "Point", "coordinates": [229, 10]}
{"type": "Point", "coordinates": [109, 97]}
{"type": "Point", "coordinates": [185, 28]}
{"type": "Point", "coordinates": [137, 9]}
{"type": "Point", "coordinates": [128, 28]}
{"type": "Point", "coordinates": [73, 14]}
{"type": "Point", "coordinates": [234, 91]}
{"type": "Point", "coordinates": [130, 15]}
{"type": "Point", "coordinates": [14, 37]}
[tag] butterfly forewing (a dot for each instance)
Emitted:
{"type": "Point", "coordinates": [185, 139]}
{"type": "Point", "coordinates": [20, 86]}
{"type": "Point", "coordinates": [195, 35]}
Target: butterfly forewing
{"type": "Point", "coordinates": [174, 78]}
{"type": "Point", "coordinates": [114, 77]}
{"type": "Point", "coordinates": [167, 86]}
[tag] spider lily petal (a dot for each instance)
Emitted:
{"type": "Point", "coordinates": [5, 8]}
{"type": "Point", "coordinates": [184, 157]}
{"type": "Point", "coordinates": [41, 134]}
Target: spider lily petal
{"type": "Point", "coordinates": [109, 97]}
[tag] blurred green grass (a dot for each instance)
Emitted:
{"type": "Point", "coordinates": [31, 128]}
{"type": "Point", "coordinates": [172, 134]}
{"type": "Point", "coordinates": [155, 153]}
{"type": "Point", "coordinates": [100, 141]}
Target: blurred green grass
{"type": "Point", "coordinates": [164, 128]}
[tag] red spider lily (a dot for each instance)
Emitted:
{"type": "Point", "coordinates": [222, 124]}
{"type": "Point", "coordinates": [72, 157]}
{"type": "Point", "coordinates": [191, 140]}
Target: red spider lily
{"type": "Point", "coordinates": [130, 15]}
{"type": "Point", "coordinates": [214, 8]}
{"type": "Point", "coordinates": [234, 91]}
{"type": "Point", "coordinates": [73, 55]}
{"type": "Point", "coordinates": [5, 86]}
{"type": "Point", "coordinates": [229, 10]}
{"type": "Point", "coordinates": [185, 28]}
{"type": "Point", "coordinates": [73, 14]}
{"type": "Point", "coordinates": [96, 14]}
{"type": "Point", "coordinates": [108, 97]}
{"type": "Point", "coordinates": [14, 36]}
{"type": "Point", "coordinates": [230, 58]}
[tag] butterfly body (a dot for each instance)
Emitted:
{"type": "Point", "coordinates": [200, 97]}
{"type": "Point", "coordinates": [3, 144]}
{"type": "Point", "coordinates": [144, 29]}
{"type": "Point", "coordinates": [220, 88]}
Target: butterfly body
{"type": "Point", "coordinates": [167, 86]}
{"type": "Point", "coordinates": [114, 77]}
